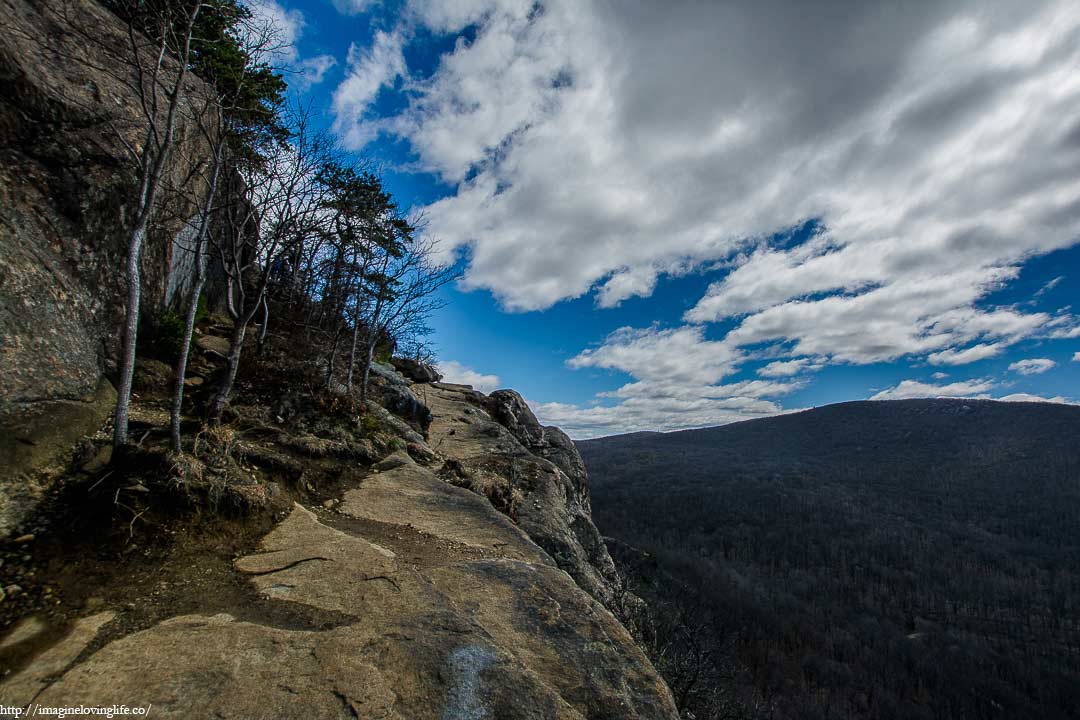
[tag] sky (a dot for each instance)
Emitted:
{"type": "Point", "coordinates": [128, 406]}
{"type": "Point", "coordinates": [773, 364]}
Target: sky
{"type": "Point", "coordinates": [682, 214]}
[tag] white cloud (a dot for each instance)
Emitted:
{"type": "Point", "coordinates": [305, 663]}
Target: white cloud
{"type": "Point", "coordinates": [606, 145]}
{"type": "Point", "coordinates": [354, 7]}
{"type": "Point", "coordinates": [282, 28]}
{"type": "Point", "coordinates": [965, 356]}
{"type": "Point", "coordinates": [1032, 366]}
{"type": "Point", "coordinates": [940, 375]}
{"type": "Point", "coordinates": [911, 389]}
{"type": "Point", "coordinates": [1025, 397]}
{"type": "Point", "coordinates": [1076, 357]}
{"type": "Point", "coordinates": [787, 368]}
{"type": "Point", "coordinates": [677, 384]}
{"type": "Point", "coordinates": [597, 147]}
{"type": "Point", "coordinates": [676, 356]}
{"type": "Point", "coordinates": [1048, 286]}
{"type": "Point", "coordinates": [976, 389]}
{"type": "Point", "coordinates": [581, 423]}
{"type": "Point", "coordinates": [369, 69]}
{"type": "Point", "coordinates": [288, 26]}
{"type": "Point", "coordinates": [312, 71]}
{"type": "Point", "coordinates": [455, 372]}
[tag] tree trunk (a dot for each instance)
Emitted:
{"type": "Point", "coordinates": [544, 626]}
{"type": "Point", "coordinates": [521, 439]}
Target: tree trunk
{"type": "Point", "coordinates": [193, 305]}
{"type": "Point", "coordinates": [352, 350]}
{"type": "Point", "coordinates": [185, 346]}
{"type": "Point", "coordinates": [230, 300]}
{"type": "Point", "coordinates": [372, 341]}
{"type": "Point", "coordinates": [151, 168]}
{"type": "Point", "coordinates": [235, 347]}
{"type": "Point", "coordinates": [261, 340]}
{"type": "Point", "coordinates": [131, 332]}
{"type": "Point", "coordinates": [368, 359]}
{"type": "Point", "coordinates": [331, 360]}
{"type": "Point", "coordinates": [356, 321]}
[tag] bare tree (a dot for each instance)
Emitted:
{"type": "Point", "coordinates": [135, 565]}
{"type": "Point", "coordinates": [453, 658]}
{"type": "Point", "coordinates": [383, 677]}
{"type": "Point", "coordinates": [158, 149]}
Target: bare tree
{"type": "Point", "coordinates": [403, 291]}
{"type": "Point", "coordinates": [232, 107]}
{"type": "Point", "coordinates": [161, 67]}
{"type": "Point", "coordinates": [277, 209]}
{"type": "Point", "coordinates": [202, 227]}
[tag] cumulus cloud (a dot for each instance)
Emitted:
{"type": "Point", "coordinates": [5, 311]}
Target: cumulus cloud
{"type": "Point", "coordinates": [1025, 397]}
{"type": "Point", "coordinates": [677, 383]}
{"type": "Point", "coordinates": [455, 372]}
{"type": "Point", "coordinates": [599, 147]}
{"type": "Point", "coordinates": [312, 71]}
{"type": "Point", "coordinates": [594, 145]}
{"type": "Point", "coordinates": [1076, 357]}
{"type": "Point", "coordinates": [582, 423]}
{"type": "Point", "coordinates": [369, 70]}
{"type": "Point", "coordinates": [975, 389]}
{"type": "Point", "coordinates": [1032, 366]}
{"type": "Point", "coordinates": [287, 27]}
{"type": "Point", "coordinates": [966, 355]}
{"type": "Point", "coordinates": [787, 368]}
{"type": "Point", "coordinates": [911, 389]}
{"type": "Point", "coordinates": [674, 356]}
{"type": "Point", "coordinates": [354, 7]}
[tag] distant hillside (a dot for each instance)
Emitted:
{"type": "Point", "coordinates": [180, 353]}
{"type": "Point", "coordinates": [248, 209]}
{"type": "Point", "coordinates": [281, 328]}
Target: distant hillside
{"type": "Point", "coordinates": [916, 558]}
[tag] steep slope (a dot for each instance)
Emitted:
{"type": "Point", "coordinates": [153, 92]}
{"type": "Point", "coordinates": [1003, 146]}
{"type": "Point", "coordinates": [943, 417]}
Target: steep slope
{"type": "Point", "coordinates": [842, 552]}
{"type": "Point", "coordinates": [408, 598]}
{"type": "Point", "coordinates": [66, 109]}
{"type": "Point", "coordinates": [500, 448]}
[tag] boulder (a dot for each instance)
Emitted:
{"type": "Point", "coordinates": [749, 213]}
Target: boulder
{"type": "Point", "coordinates": [40, 446]}
{"type": "Point", "coordinates": [416, 371]}
{"type": "Point", "coordinates": [213, 345]}
{"type": "Point", "coordinates": [395, 393]}
{"type": "Point", "coordinates": [510, 410]}
{"type": "Point", "coordinates": [497, 439]}
{"type": "Point", "coordinates": [387, 374]}
{"type": "Point", "coordinates": [399, 427]}
{"type": "Point", "coordinates": [152, 376]}
{"type": "Point", "coordinates": [403, 402]}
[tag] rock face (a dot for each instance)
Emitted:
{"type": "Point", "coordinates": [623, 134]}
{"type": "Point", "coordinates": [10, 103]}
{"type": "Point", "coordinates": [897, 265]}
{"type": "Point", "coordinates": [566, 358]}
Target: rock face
{"type": "Point", "coordinates": [393, 391]}
{"type": "Point", "coordinates": [416, 371]}
{"type": "Point", "coordinates": [497, 439]}
{"type": "Point", "coordinates": [64, 180]}
{"type": "Point", "coordinates": [442, 609]}
{"type": "Point", "coordinates": [40, 449]}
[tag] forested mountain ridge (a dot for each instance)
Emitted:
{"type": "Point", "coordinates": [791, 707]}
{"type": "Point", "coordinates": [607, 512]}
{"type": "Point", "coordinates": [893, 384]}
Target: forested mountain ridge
{"type": "Point", "coordinates": [915, 558]}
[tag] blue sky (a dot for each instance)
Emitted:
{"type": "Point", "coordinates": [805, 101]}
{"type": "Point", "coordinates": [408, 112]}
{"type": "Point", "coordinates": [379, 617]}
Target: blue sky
{"type": "Point", "coordinates": [677, 215]}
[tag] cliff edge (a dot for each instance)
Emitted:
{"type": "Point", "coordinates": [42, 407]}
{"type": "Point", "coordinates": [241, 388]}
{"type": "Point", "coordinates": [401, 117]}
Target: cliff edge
{"type": "Point", "coordinates": [409, 596]}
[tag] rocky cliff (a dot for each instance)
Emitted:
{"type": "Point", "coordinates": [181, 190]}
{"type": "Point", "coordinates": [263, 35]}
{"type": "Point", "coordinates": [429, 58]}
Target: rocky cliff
{"type": "Point", "coordinates": [66, 109]}
{"type": "Point", "coordinates": [497, 445]}
{"type": "Point", "coordinates": [409, 596]}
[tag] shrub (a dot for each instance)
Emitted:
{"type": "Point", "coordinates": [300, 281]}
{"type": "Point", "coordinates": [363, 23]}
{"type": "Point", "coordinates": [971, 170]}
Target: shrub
{"type": "Point", "coordinates": [369, 425]}
{"type": "Point", "coordinates": [164, 338]}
